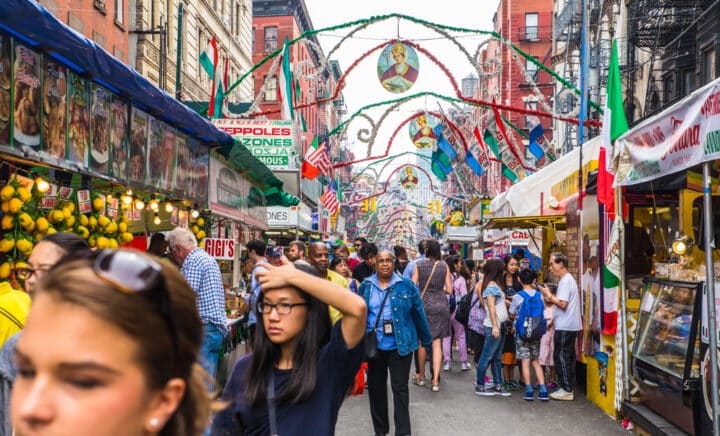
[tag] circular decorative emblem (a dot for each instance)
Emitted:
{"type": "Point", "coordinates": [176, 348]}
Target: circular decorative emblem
{"type": "Point", "coordinates": [398, 67]}
{"type": "Point", "coordinates": [408, 178]}
{"type": "Point", "coordinates": [422, 130]}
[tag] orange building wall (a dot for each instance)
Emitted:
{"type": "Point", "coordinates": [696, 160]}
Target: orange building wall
{"type": "Point", "coordinates": [95, 22]}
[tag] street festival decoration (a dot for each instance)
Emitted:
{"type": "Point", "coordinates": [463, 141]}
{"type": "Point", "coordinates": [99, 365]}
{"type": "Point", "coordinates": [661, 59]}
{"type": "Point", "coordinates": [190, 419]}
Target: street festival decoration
{"type": "Point", "coordinates": [398, 67]}
{"type": "Point", "coordinates": [408, 178]}
{"type": "Point", "coordinates": [422, 132]}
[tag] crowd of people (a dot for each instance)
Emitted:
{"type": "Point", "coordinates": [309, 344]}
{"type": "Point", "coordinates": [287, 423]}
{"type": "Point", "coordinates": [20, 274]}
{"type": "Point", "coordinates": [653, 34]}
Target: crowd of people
{"type": "Point", "coordinates": [125, 342]}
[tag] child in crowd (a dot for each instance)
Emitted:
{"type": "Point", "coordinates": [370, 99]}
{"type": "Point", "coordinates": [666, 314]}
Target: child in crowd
{"type": "Point", "coordinates": [527, 307]}
{"type": "Point", "coordinates": [546, 343]}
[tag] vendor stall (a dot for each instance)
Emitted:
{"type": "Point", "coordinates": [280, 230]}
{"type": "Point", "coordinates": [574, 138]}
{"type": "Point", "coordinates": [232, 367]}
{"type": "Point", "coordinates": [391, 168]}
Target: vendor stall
{"type": "Point", "coordinates": [671, 205]}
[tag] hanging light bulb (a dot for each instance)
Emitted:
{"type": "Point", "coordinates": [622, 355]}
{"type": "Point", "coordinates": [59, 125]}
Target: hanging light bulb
{"type": "Point", "coordinates": [42, 185]}
{"type": "Point", "coordinates": [194, 214]}
{"type": "Point", "coordinates": [129, 192]}
{"type": "Point", "coordinates": [156, 219]}
{"type": "Point", "coordinates": [168, 207]}
{"type": "Point", "coordinates": [139, 204]}
{"type": "Point", "coordinates": [127, 198]}
{"type": "Point", "coordinates": [154, 205]}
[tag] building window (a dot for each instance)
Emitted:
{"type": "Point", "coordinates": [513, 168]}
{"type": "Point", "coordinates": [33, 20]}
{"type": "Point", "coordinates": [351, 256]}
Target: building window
{"type": "Point", "coordinates": [270, 38]}
{"type": "Point", "coordinates": [668, 91]}
{"type": "Point", "coordinates": [530, 119]}
{"type": "Point", "coordinates": [709, 65]}
{"type": "Point", "coordinates": [237, 19]}
{"type": "Point", "coordinates": [119, 11]}
{"type": "Point", "coordinates": [688, 81]}
{"type": "Point", "coordinates": [271, 90]}
{"type": "Point", "coordinates": [532, 69]}
{"type": "Point", "coordinates": [531, 26]}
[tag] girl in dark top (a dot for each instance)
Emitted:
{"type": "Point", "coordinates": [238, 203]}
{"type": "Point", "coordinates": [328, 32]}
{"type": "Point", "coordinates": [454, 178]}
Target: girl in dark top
{"type": "Point", "coordinates": [512, 287]}
{"type": "Point", "coordinates": [301, 367]}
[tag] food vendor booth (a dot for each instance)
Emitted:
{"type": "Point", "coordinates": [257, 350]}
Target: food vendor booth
{"type": "Point", "coordinates": [667, 167]}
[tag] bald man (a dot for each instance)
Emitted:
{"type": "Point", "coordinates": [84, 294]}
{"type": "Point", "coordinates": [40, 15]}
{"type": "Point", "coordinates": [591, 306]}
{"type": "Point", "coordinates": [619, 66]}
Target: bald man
{"type": "Point", "coordinates": [319, 257]}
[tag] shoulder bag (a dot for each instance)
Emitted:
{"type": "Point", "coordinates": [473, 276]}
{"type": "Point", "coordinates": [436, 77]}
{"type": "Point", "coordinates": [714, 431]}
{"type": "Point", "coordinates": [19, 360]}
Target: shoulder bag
{"type": "Point", "coordinates": [428, 280]}
{"type": "Point", "coordinates": [371, 345]}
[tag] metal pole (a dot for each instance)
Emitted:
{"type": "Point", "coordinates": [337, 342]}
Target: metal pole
{"type": "Point", "coordinates": [178, 54]}
{"type": "Point", "coordinates": [710, 284]}
{"type": "Point", "coordinates": [584, 65]}
{"type": "Point", "coordinates": [623, 296]}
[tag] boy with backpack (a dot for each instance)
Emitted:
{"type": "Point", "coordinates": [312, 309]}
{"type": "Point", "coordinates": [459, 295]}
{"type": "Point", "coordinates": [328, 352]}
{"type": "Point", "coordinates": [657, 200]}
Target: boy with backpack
{"type": "Point", "coordinates": [527, 307]}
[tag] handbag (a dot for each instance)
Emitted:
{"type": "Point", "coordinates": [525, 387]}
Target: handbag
{"type": "Point", "coordinates": [428, 280]}
{"type": "Point", "coordinates": [371, 345]}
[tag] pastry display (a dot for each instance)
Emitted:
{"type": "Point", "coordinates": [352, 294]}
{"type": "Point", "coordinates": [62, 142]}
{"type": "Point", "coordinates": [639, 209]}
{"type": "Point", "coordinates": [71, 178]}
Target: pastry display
{"type": "Point", "coordinates": [27, 96]}
{"type": "Point", "coordinates": [54, 109]}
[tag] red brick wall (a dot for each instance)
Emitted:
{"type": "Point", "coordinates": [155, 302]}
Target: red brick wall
{"type": "Point", "coordinates": [95, 22]}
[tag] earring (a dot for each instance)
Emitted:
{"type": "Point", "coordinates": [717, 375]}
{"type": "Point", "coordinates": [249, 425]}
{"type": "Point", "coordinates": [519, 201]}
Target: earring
{"type": "Point", "coordinates": [154, 422]}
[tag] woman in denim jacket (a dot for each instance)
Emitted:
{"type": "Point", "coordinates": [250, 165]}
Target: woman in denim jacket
{"type": "Point", "coordinates": [402, 320]}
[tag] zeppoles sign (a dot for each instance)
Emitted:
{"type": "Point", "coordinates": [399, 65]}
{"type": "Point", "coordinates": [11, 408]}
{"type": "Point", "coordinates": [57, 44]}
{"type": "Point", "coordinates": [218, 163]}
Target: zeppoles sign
{"type": "Point", "coordinates": [682, 136]}
{"type": "Point", "coordinates": [271, 141]}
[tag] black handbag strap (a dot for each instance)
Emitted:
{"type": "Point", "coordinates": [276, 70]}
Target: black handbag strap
{"type": "Point", "coordinates": [382, 305]}
{"type": "Point", "coordinates": [271, 404]}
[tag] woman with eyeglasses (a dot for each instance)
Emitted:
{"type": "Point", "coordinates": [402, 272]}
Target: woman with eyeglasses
{"type": "Point", "coordinates": [301, 367]}
{"type": "Point", "coordinates": [110, 347]}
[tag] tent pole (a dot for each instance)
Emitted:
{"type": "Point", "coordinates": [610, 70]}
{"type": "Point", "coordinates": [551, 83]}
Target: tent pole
{"type": "Point", "coordinates": [710, 287]}
{"type": "Point", "coordinates": [623, 295]}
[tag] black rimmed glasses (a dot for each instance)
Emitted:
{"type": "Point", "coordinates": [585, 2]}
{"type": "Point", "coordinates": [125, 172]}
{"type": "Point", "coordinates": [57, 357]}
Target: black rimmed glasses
{"type": "Point", "coordinates": [25, 273]}
{"type": "Point", "coordinates": [130, 272]}
{"type": "Point", "coordinates": [280, 308]}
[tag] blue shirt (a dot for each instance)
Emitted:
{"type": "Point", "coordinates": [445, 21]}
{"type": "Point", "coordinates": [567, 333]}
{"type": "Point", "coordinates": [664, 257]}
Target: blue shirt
{"type": "Point", "coordinates": [254, 292]}
{"type": "Point", "coordinates": [411, 267]}
{"type": "Point", "coordinates": [377, 293]}
{"type": "Point", "coordinates": [317, 415]}
{"type": "Point", "coordinates": [203, 274]}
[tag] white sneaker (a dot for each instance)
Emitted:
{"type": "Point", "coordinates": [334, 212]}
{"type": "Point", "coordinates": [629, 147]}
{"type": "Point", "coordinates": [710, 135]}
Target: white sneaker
{"type": "Point", "coordinates": [562, 395]}
{"type": "Point", "coordinates": [465, 366]}
{"type": "Point", "coordinates": [446, 367]}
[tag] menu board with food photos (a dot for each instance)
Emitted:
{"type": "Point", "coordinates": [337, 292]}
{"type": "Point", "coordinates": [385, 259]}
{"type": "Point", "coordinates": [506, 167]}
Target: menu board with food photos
{"type": "Point", "coordinates": [26, 107]}
{"type": "Point", "coordinates": [138, 139]}
{"type": "Point", "coordinates": [119, 143]}
{"type": "Point", "coordinates": [169, 152]}
{"type": "Point", "coordinates": [5, 48]}
{"type": "Point", "coordinates": [154, 162]}
{"type": "Point", "coordinates": [54, 108]}
{"type": "Point", "coordinates": [182, 166]}
{"type": "Point", "coordinates": [199, 162]}
{"type": "Point", "coordinates": [78, 125]}
{"type": "Point", "coordinates": [100, 126]}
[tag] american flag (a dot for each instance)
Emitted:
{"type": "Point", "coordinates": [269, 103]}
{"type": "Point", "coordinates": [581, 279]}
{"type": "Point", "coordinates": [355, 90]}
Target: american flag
{"type": "Point", "coordinates": [329, 198]}
{"type": "Point", "coordinates": [320, 157]}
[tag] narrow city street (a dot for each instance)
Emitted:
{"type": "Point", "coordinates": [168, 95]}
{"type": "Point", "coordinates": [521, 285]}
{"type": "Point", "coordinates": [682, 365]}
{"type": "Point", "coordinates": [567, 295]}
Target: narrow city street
{"type": "Point", "coordinates": [456, 410]}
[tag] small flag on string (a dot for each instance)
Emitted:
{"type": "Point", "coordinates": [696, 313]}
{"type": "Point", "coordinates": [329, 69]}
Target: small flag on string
{"type": "Point", "coordinates": [441, 165]}
{"type": "Point", "coordinates": [473, 163]}
{"type": "Point", "coordinates": [442, 141]}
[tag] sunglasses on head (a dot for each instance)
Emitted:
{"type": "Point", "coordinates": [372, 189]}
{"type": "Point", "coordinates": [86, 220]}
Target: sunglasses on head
{"type": "Point", "coordinates": [129, 273]}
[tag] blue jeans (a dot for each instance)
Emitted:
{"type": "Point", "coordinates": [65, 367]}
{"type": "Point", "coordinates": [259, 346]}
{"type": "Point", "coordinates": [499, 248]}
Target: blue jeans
{"type": "Point", "coordinates": [210, 350]}
{"type": "Point", "coordinates": [490, 356]}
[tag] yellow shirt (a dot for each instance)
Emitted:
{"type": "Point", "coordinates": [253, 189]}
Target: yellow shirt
{"type": "Point", "coordinates": [336, 278]}
{"type": "Point", "coordinates": [14, 309]}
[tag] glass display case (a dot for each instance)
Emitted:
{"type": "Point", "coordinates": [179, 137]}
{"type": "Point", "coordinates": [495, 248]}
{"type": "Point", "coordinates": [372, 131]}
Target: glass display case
{"type": "Point", "coordinates": [665, 333]}
{"type": "Point", "coordinates": [667, 349]}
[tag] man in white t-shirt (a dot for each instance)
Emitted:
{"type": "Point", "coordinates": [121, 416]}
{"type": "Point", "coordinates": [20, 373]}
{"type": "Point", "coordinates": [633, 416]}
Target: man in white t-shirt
{"type": "Point", "coordinates": [567, 323]}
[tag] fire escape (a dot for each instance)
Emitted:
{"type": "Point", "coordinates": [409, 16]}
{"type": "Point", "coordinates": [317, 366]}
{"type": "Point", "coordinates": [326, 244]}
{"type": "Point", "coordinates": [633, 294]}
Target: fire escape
{"type": "Point", "coordinates": [665, 31]}
{"type": "Point", "coordinates": [602, 17]}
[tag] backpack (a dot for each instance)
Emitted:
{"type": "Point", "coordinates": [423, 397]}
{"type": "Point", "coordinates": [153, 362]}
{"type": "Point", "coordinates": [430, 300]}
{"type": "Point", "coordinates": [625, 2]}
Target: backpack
{"type": "Point", "coordinates": [462, 313]}
{"type": "Point", "coordinates": [530, 324]}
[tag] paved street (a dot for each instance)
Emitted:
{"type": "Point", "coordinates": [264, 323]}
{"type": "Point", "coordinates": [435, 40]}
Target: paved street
{"type": "Point", "coordinates": [456, 410]}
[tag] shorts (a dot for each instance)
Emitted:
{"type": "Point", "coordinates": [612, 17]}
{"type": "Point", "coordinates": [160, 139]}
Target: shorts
{"type": "Point", "coordinates": [508, 359]}
{"type": "Point", "coordinates": [527, 349]}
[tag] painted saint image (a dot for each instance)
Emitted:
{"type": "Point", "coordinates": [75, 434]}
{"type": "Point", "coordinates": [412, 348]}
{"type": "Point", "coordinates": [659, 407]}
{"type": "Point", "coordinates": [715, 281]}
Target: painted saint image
{"type": "Point", "coordinates": [409, 178]}
{"type": "Point", "coordinates": [422, 131]}
{"type": "Point", "coordinates": [398, 67]}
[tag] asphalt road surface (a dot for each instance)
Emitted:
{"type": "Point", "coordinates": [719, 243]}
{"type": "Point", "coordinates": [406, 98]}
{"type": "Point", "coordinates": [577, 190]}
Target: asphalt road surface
{"type": "Point", "coordinates": [456, 410]}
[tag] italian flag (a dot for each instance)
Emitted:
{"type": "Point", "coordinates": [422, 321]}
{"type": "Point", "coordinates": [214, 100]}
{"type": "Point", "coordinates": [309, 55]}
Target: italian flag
{"type": "Point", "coordinates": [285, 85]}
{"type": "Point", "coordinates": [614, 125]}
{"type": "Point", "coordinates": [209, 58]}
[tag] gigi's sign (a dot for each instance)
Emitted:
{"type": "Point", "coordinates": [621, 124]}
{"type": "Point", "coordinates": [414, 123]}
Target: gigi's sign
{"type": "Point", "coordinates": [222, 249]}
